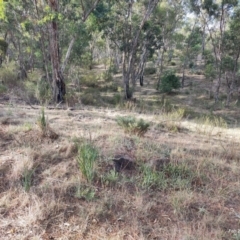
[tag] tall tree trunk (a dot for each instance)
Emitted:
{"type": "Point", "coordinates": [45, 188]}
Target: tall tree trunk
{"type": "Point", "coordinates": [58, 84]}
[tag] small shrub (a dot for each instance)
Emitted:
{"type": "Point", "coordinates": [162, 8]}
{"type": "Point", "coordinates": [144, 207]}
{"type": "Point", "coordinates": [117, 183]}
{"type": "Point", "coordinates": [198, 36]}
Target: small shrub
{"type": "Point", "coordinates": [172, 176]}
{"type": "Point", "coordinates": [117, 98]}
{"type": "Point", "coordinates": [87, 155]}
{"type": "Point", "coordinates": [133, 126]}
{"type": "Point", "coordinates": [43, 91]}
{"type": "Point", "coordinates": [113, 69]}
{"type": "Point", "coordinates": [91, 97]}
{"type": "Point", "coordinates": [173, 64]}
{"type": "Point", "coordinates": [86, 193]}
{"type": "Point", "coordinates": [89, 80]}
{"type": "Point", "coordinates": [107, 76]}
{"type": "Point", "coordinates": [8, 74]}
{"type": "Point", "coordinates": [110, 178]}
{"type": "Point", "coordinates": [152, 179]}
{"type": "Point", "coordinates": [86, 60]}
{"type": "Point", "coordinates": [113, 87]}
{"type": "Point", "coordinates": [3, 88]}
{"type": "Point", "coordinates": [42, 121]}
{"type": "Point", "coordinates": [191, 65]}
{"type": "Point", "coordinates": [169, 82]}
{"type": "Point", "coordinates": [30, 91]}
{"type": "Point", "coordinates": [150, 70]}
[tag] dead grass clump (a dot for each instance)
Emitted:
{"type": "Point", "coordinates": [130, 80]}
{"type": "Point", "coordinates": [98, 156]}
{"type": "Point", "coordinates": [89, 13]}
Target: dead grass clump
{"type": "Point", "coordinates": [71, 150]}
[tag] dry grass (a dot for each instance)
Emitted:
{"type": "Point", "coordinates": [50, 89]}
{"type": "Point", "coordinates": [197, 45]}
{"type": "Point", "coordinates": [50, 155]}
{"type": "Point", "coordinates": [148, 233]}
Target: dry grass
{"type": "Point", "coordinates": [194, 196]}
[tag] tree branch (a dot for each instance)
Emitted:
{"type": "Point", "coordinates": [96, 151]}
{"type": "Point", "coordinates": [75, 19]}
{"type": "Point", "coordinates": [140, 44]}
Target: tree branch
{"type": "Point", "coordinates": [85, 15]}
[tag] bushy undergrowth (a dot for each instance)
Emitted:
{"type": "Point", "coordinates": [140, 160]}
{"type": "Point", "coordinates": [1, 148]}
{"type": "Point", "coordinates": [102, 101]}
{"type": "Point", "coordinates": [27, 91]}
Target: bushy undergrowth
{"type": "Point", "coordinates": [169, 81]}
{"type": "Point", "coordinates": [91, 97]}
{"type": "Point", "coordinates": [8, 74]}
{"type": "Point", "coordinates": [3, 88]}
{"type": "Point", "coordinates": [150, 70]}
{"type": "Point", "coordinates": [89, 80]}
{"type": "Point", "coordinates": [132, 125]}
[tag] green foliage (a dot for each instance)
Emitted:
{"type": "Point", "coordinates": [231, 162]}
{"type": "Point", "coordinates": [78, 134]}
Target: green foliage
{"type": "Point", "coordinates": [152, 179]}
{"type": "Point", "coordinates": [210, 71]}
{"type": "Point", "coordinates": [8, 74]}
{"type": "Point", "coordinates": [89, 80]}
{"type": "Point", "coordinates": [133, 126]}
{"type": "Point", "coordinates": [107, 76]}
{"type": "Point", "coordinates": [42, 121]}
{"type": "Point", "coordinates": [30, 90]}
{"type": "Point", "coordinates": [3, 47]}
{"type": "Point", "coordinates": [150, 70]}
{"type": "Point", "coordinates": [117, 98]}
{"type": "Point", "coordinates": [173, 176]}
{"type": "Point", "coordinates": [169, 81]}
{"type": "Point", "coordinates": [87, 60]}
{"type": "Point", "coordinates": [43, 91]}
{"type": "Point", "coordinates": [27, 178]}
{"type": "Point", "coordinates": [110, 178]}
{"type": "Point", "coordinates": [208, 56]}
{"type": "Point", "coordinates": [91, 97]}
{"type": "Point", "coordinates": [2, 9]}
{"type": "Point", "coordinates": [227, 63]}
{"type": "Point", "coordinates": [85, 192]}
{"type": "Point", "coordinates": [37, 87]}
{"type": "Point", "coordinates": [87, 155]}
{"type": "Point", "coordinates": [3, 88]}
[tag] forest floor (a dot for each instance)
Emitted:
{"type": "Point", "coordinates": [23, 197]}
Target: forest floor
{"type": "Point", "coordinates": [44, 195]}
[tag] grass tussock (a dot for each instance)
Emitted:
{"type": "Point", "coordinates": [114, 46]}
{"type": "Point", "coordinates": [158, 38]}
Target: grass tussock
{"type": "Point", "coordinates": [131, 125]}
{"type": "Point", "coordinates": [86, 159]}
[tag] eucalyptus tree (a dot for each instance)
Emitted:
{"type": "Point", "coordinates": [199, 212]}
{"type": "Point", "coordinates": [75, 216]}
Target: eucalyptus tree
{"type": "Point", "coordinates": [17, 31]}
{"type": "Point", "coordinates": [215, 15]}
{"type": "Point", "coordinates": [126, 25]}
{"type": "Point", "coordinates": [54, 30]}
{"type": "Point", "coordinates": [231, 45]}
{"type": "Point", "coordinates": [190, 46]}
{"type": "Point", "coordinates": [168, 17]}
{"type": "Point", "coordinates": [40, 24]}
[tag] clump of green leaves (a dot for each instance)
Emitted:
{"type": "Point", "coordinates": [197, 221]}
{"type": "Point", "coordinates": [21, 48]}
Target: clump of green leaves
{"type": "Point", "coordinates": [43, 91]}
{"type": "Point", "coordinates": [87, 155]}
{"type": "Point", "coordinates": [8, 74]}
{"type": "Point", "coordinates": [27, 178]}
{"type": "Point", "coordinates": [132, 125]}
{"type": "Point", "coordinates": [152, 179]}
{"type": "Point", "coordinates": [91, 97]}
{"type": "Point", "coordinates": [85, 192]}
{"type": "Point", "coordinates": [169, 81]}
{"type": "Point", "coordinates": [42, 121]}
{"type": "Point", "coordinates": [110, 178]}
